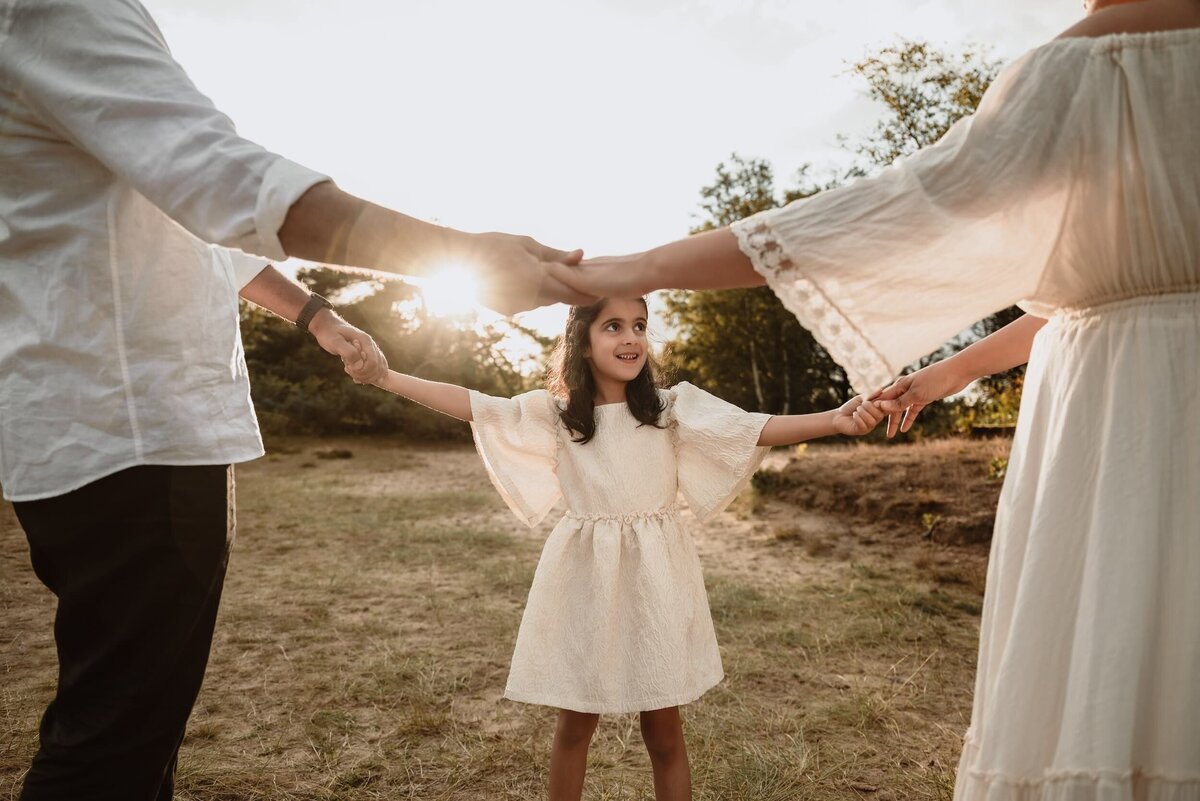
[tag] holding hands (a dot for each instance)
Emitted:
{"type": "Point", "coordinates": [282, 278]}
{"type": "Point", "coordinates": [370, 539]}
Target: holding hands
{"type": "Point", "coordinates": [905, 398]}
{"type": "Point", "coordinates": [856, 417]}
{"type": "Point", "coordinates": [995, 353]}
{"type": "Point", "coordinates": [518, 273]}
{"type": "Point", "coordinates": [361, 357]}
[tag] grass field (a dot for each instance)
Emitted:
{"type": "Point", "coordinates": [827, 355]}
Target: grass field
{"type": "Point", "coordinates": [373, 601]}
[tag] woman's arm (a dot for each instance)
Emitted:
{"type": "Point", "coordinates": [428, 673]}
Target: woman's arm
{"type": "Point", "coordinates": [449, 399]}
{"type": "Point", "coordinates": [711, 260]}
{"type": "Point", "coordinates": [1003, 350]}
{"type": "Point", "coordinates": [854, 418]}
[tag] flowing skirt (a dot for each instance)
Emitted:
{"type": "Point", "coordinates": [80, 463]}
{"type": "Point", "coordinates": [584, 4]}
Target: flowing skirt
{"type": "Point", "coordinates": [1088, 686]}
{"type": "Point", "coordinates": [617, 618]}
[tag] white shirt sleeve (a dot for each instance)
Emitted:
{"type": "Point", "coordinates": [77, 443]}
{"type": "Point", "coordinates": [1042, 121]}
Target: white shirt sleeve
{"type": "Point", "coordinates": [100, 74]}
{"type": "Point", "coordinates": [245, 268]}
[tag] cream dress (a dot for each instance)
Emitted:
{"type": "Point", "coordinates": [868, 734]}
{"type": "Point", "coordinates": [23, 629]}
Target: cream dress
{"type": "Point", "coordinates": [1074, 190]}
{"type": "Point", "coordinates": [617, 618]}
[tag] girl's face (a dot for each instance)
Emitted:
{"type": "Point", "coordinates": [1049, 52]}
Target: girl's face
{"type": "Point", "coordinates": [617, 347]}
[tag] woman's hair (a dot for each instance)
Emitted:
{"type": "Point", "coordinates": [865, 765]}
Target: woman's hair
{"type": "Point", "coordinates": [570, 378]}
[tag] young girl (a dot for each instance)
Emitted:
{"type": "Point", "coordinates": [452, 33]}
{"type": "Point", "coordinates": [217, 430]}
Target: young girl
{"type": "Point", "coordinates": [617, 618]}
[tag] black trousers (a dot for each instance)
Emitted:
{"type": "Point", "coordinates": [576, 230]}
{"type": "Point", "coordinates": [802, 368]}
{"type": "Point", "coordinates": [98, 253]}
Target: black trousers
{"type": "Point", "coordinates": [137, 560]}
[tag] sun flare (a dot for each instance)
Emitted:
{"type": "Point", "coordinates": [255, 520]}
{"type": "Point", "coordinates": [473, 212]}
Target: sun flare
{"type": "Point", "coordinates": [451, 291]}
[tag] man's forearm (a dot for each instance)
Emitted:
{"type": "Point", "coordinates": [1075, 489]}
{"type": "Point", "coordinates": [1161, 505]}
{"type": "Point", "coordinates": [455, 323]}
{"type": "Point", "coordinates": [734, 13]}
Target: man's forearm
{"type": "Point", "coordinates": [280, 295]}
{"type": "Point", "coordinates": [276, 293]}
{"type": "Point", "coordinates": [330, 226]}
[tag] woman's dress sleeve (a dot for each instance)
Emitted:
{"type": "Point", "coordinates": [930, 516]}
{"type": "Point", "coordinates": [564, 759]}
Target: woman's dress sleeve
{"type": "Point", "coordinates": [517, 439]}
{"type": "Point", "coordinates": [885, 270]}
{"type": "Point", "coordinates": [716, 448]}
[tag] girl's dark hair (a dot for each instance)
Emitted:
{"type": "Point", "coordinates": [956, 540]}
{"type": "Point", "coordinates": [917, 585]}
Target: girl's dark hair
{"type": "Point", "coordinates": [569, 378]}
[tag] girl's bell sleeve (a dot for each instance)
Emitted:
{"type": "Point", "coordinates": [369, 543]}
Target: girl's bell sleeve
{"type": "Point", "coordinates": [716, 448]}
{"type": "Point", "coordinates": [517, 438]}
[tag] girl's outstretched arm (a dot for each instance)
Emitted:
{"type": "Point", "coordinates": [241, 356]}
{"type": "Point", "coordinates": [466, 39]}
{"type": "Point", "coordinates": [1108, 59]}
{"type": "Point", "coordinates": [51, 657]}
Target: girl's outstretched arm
{"type": "Point", "coordinates": [449, 399]}
{"type": "Point", "coordinates": [854, 418]}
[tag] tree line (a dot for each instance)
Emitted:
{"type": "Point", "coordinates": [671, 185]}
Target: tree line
{"type": "Point", "coordinates": [742, 344]}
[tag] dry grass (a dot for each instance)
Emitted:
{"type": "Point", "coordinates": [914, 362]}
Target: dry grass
{"type": "Point", "coordinates": [945, 490]}
{"type": "Point", "coordinates": [371, 609]}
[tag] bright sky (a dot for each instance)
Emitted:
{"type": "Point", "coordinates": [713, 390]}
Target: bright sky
{"type": "Point", "coordinates": [588, 123]}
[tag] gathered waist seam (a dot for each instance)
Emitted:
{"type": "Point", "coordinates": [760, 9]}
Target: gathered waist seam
{"type": "Point", "coordinates": [1180, 295]}
{"type": "Point", "coordinates": [666, 511]}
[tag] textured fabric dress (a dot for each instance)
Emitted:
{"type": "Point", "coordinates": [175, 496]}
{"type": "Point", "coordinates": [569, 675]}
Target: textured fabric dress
{"type": "Point", "coordinates": [1075, 191]}
{"type": "Point", "coordinates": [617, 618]}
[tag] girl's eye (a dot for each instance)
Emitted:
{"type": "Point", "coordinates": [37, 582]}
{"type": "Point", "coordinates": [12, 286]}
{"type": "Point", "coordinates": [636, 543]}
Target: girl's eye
{"type": "Point", "coordinates": [611, 327]}
{"type": "Point", "coordinates": [640, 328]}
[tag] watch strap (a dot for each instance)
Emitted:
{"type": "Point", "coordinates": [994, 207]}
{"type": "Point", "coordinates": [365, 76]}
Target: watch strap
{"type": "Point", "coordinates": [314, 305]}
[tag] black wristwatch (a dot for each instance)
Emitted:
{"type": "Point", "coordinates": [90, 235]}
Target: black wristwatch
{"type": "Point", "coordinates": [314, 305]}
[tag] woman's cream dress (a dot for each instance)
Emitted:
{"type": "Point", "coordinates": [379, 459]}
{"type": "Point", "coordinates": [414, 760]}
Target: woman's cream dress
{"type": "Point", "coordinates": [617, 618]}
{"type": "Point", "coordinates": [1074, 191]}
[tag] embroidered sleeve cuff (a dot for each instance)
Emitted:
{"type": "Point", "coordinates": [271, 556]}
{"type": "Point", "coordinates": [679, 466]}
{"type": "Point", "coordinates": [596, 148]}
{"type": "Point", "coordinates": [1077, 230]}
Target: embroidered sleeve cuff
{"type": "Point", "coordinates": [845, 342]}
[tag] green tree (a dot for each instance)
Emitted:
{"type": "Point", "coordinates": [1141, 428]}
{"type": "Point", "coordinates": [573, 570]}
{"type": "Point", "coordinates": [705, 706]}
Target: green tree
{"type": "Point", "coordinates": [742, 344]}
{"type": "Point", "coordinates": [298, 388]}
{"type": "Point", "coordinates": [924, 91]}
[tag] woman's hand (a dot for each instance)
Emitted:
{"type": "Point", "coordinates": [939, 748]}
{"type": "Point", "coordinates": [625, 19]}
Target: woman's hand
{"type": "Point", "coordinates": [610, 276]}
{"type": "Point", "coordinates": [905, 399]}
{"type": "Point", "coordinates": [711, 260]}
{"type": "Point", "coordinates": [856, 417]}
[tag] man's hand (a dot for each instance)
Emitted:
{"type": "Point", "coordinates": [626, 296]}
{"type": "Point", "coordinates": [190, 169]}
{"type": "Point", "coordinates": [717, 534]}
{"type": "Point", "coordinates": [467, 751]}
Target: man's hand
{"type": "Point", "coordinates": [516, 273]}
{"type": "Point", "coordinates": [362, 358]}
{"type": "Point", "coordinates": [330, 226]}
{"type": "Point", "coordinates": [856, 417]}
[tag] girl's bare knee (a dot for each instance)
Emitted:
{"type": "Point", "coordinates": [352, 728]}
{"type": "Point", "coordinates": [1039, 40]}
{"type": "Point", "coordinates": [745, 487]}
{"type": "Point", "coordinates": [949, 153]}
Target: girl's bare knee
{"type": "Point", "coordinates": [575, 729]}
{"type": "Point", "coordinates": [662, 732]}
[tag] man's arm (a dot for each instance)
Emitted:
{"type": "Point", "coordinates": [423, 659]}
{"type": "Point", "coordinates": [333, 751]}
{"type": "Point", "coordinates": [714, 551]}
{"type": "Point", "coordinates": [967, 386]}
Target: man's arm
{"type": "Point", "coordinates": [334, 227]}
{"type": "Point", "coordinates": [100, 76]}
{"type": "Point", "coordinates": [277, 293]}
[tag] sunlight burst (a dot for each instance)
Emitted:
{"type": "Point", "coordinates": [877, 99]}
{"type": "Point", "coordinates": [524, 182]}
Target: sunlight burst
{"type": "Point", "coordinates": [451, 291]}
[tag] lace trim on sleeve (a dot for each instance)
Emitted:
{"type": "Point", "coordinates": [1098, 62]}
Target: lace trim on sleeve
{"type": "Point", "coordinates": [833, 330]}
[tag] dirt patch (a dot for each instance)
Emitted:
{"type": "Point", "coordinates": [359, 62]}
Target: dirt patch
{"type": "Point", "coordinates": [943, 490]}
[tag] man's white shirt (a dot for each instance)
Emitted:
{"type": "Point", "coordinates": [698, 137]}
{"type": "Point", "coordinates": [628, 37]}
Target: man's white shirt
{"type": "Point", "coordinates": [119, 340]}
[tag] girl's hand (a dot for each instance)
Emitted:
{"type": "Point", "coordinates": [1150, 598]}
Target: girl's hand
{"type": "Point", "coordinates": [856, 417]}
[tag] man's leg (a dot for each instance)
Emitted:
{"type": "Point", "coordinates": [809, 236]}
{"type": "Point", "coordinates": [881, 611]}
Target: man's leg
{"type": "Point", "coordinates": [137, 560]}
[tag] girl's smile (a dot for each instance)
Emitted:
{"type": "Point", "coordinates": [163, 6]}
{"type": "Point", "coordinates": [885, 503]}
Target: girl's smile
{"type": "Point", "coordinates": [617, 347]}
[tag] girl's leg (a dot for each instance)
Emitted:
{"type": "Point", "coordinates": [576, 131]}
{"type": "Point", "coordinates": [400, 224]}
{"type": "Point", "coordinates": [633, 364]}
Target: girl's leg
{"type": "Point", "coordinates": [662, 731]}
{"type": "Point", "coordinates": [568, 758]}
